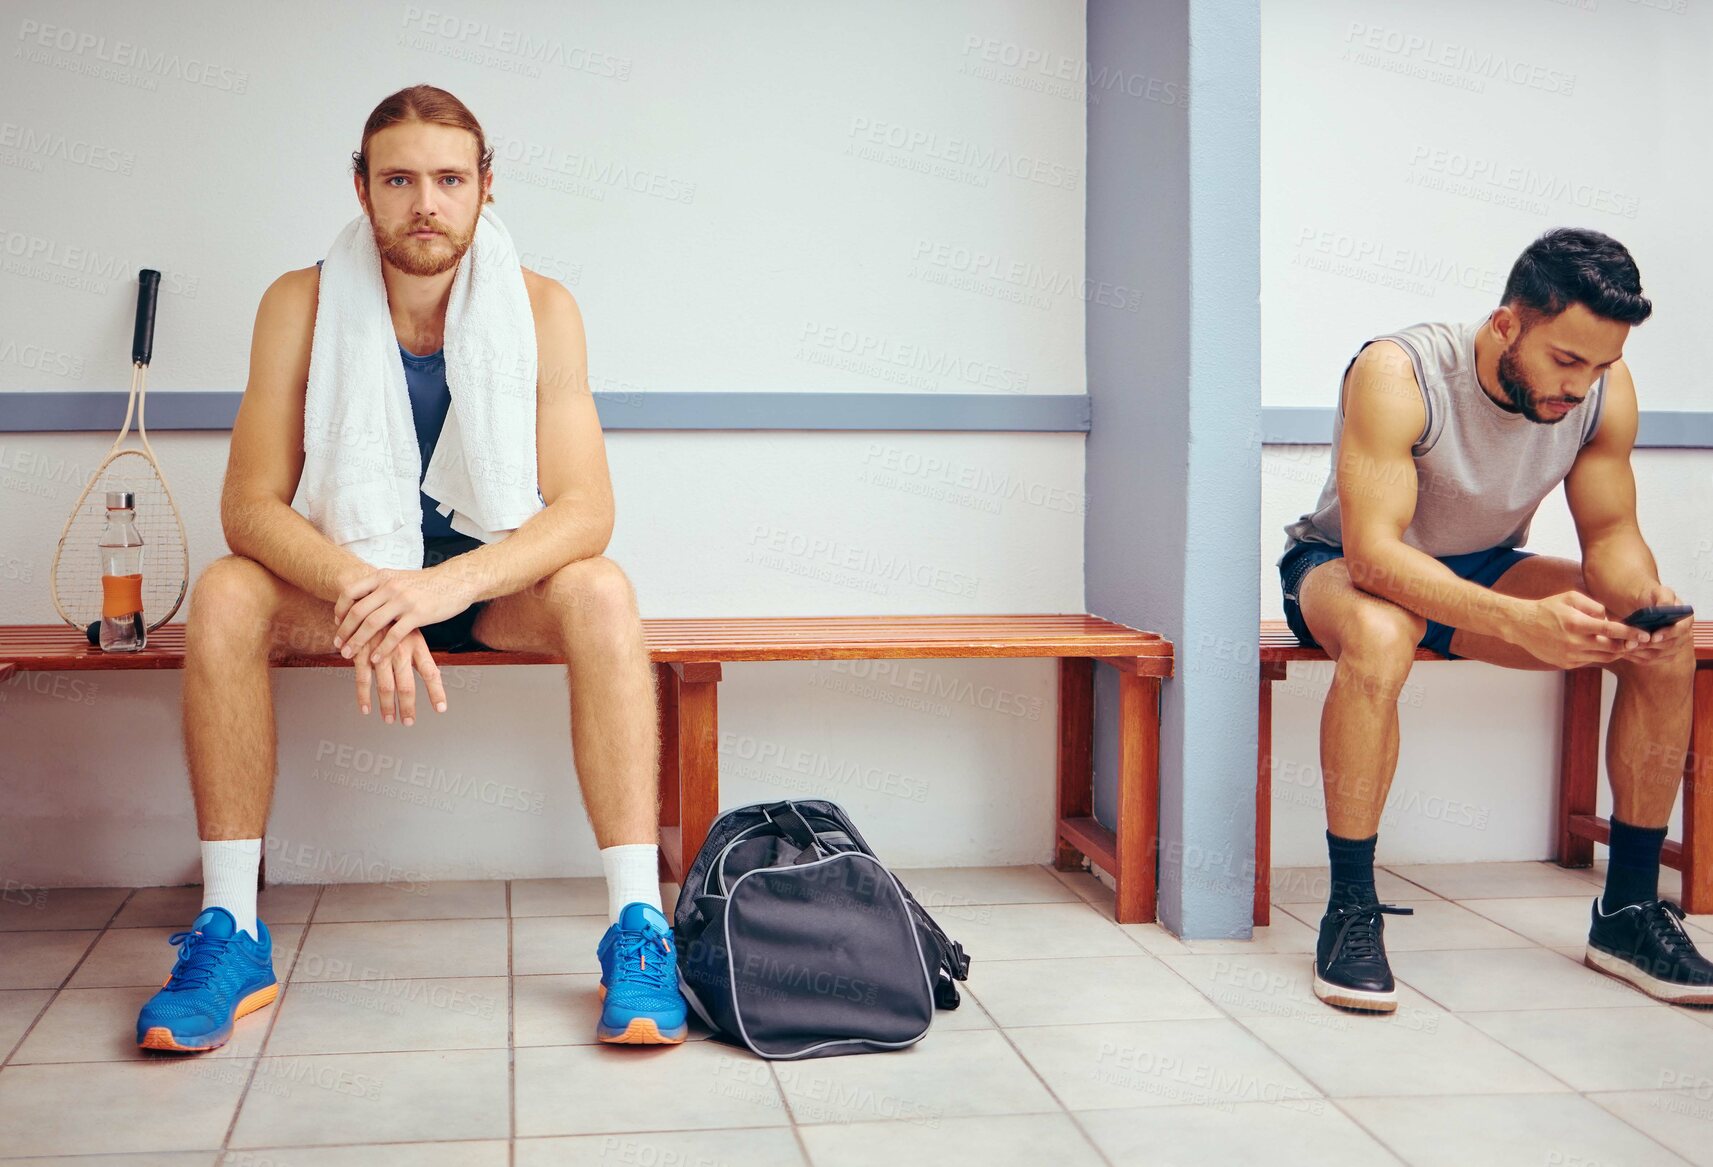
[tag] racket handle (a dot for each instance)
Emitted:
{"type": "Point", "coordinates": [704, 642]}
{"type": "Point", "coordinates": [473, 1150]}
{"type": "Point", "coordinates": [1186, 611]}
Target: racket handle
{"type": "Point", "coordinates": [148, 291]}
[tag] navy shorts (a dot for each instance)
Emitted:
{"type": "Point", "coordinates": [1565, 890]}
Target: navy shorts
{"type": "Point", "coordinates": [1479, 567]}
{"type": "Point", "coordinates": [455, 633]}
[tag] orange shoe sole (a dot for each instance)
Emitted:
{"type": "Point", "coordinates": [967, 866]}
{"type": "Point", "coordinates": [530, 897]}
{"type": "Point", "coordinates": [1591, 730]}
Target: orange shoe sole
{"type": "Point", "coordinates": [161, 1038]}
{"type": "Point", "coordinates": [640, 1031]}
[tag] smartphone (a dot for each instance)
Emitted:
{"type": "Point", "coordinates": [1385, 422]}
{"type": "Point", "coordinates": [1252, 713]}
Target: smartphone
{"type": "Point", "coordinates": [1661, 616]}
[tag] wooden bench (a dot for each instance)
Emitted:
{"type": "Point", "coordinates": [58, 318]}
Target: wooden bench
{"type": "Point", "coordinates": [688, 655]}
{"type": "Point", "coordinates": [1578, 827]}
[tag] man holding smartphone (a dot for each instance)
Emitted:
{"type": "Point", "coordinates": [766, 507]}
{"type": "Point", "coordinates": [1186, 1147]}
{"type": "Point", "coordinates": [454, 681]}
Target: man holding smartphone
{"type": "Point", "coordinates": [1446, 439]}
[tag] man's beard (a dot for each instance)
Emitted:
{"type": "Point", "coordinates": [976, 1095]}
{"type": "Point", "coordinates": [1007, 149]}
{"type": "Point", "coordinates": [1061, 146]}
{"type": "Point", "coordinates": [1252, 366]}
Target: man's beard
{"type": "Point", "coordinates": [1520, 393]}
{"type": "Point", "coordinates": [422, 257]}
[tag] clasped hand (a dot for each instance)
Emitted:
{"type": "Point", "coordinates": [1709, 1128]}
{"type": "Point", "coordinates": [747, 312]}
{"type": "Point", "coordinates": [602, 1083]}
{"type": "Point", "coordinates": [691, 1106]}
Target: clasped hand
{"type": "Point", "coordinates": [379, 618]}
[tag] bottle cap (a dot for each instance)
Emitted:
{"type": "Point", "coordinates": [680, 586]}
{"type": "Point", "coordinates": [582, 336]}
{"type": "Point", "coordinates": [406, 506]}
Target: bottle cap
{"type": "Point", "coordinates": [121, 500]}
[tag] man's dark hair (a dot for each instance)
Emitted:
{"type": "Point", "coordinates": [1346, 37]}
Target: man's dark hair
{"type": "Point", "coordinates": [1574, 265]}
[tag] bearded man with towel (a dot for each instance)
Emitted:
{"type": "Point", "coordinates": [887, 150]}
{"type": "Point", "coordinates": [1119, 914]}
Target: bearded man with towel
{"type": "Point", "coordinates": [417, 464]}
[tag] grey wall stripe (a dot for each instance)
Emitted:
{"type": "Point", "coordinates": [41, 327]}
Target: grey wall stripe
{"type": "Point", "coordinates": [214, 410]}
{"type": "Point", "coordinates": [975, 412]}
{"type": "Point", "coordinates": [1681, 429]}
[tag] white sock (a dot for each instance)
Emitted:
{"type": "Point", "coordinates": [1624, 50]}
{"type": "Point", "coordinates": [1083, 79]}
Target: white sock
{"type": "Point", "coordinates": [633, 876]}
{"type": "Point", "coordinates": [229, 869]}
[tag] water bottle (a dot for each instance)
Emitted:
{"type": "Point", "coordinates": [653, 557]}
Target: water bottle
{"type": "Point", "coordinates": [122, 628]}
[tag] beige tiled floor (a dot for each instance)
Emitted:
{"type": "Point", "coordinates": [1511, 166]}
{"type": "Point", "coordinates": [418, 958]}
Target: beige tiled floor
{"type": "Point", "coordinates": [451, 1025]}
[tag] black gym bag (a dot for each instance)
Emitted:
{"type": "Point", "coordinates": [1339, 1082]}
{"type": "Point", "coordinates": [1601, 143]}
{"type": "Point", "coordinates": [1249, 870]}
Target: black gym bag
{"type": "Point", "coordinates": [794, 941]}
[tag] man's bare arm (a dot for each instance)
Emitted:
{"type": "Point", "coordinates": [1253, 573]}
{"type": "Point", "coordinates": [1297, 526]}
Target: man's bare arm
{"type": "Point", "coordinates": [571, 463]}
{"type": "Point", "coordinates": [378, 609]}
{"type": "Point", "coordinates": [1383, 416]}
{"type": "Point", "coordinates": [1376, 474]}
{"type": "Point", "coordinates": [1617, 566]}
{"type": "Point", "coordinates": [266, 455]}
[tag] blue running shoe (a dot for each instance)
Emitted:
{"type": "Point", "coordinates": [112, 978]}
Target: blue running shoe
{"type": "Point", "coordinates": [220, 975]}
{"type": "Point", "coordinates": [640, 1001]}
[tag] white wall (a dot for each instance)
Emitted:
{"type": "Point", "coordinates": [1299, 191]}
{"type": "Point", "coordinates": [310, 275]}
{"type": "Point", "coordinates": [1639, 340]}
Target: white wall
{"type": "Point", "coordinates": [766, 236]}
{"type": "Point", "coordinates": [1409, 152]}
{"type": "Point", "coordinates": [775, 197]}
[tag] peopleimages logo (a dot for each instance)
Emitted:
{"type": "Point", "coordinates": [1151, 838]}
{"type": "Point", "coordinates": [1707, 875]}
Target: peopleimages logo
{"type": "Point", "coordinates": [1489, 180]}
{"type": "Point", "coordinates": [1465, 66]}
{"type": "Point", "coordinates": [479, 36]}
{"type": "Point", "coordinates": [125, 55]}
{"type": "Point", "coordinates": [975, 158]}
{"type": "Point", "coordinates": [1376, 261]}
{"type": "Point", "coordinates": [39, 143]}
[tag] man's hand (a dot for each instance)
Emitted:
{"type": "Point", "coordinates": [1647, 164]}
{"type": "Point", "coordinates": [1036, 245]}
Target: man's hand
{"type": "Point", "coordinates": [1570, 630]}
{"type": "Point", "coordinates": [1664, 641]}
{"type": "Point", "coordinates": [405, 600]}
{"type": "Point", "coordinates": [394, 679]}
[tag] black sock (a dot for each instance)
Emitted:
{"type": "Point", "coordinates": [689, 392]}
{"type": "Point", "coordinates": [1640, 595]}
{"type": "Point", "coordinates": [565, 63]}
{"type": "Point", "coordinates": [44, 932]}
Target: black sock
{"type": "Point", "coordinates": [1632, 865]}
{"type": "Point", "coordinates": [1352, 869]}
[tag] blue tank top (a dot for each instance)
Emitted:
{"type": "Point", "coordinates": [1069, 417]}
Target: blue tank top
{"type": "Point", "coordinates": [425, 377]}
{"type": "Point", "coordinates": [429, 401]}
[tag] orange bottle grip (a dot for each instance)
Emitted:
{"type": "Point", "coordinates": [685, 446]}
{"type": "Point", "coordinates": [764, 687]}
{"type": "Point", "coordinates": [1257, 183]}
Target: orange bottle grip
{"type": "Point", "coordinates": [121, 595]}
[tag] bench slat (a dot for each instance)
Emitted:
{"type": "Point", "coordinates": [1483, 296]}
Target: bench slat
{"type": "Point", "coordinates": [698, 639]}
{"type": "Point", "coordinates": [1279, 643]}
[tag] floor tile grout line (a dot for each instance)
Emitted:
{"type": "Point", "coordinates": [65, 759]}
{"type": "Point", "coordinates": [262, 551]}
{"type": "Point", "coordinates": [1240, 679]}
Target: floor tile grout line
{"type": "Point", "coordinates": [1235, 1020]}
{"type": "Point", "coordinates": [996, 1027]}
{"type": "Point", "coordinates": [1336, 1102]}
{"type": "Point", "coordinates": [273, 1018]}
{"type": "Point", "coordinates": [1005, 1030]}
{"type": "Point", "coordinates": [363, 1053]}
{"type": "Point", "coordinates": [1528, 941]}
{"type": "Point", "coordinates": [1373, 1134]}
{"type": "Point", "coordinates": [797, 1137]}
{"type": "Point", "coordinates": [1413, 883]}
{"type": "Point", "coordinates": [1644, 1133]}
{"type": "Point", "coordinates": [1304, 1075]}
{"type": "Point", "coordinates": [785, 1101]}
{"type": "Point", "coordinates": [1550, 1073]}
{"type": "Point", "coordinates": [53, 995]}
{"type": "Point", "coordinates": [511, 1037]}
{"type": "Point", "coordinates": [1051, 1093]}
{"type": "Point", "coordinates": [1500, 923]}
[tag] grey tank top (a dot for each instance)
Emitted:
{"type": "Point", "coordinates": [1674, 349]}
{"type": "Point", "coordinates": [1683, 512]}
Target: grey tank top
{"type": "Point", "coordinates": [1481, 472]}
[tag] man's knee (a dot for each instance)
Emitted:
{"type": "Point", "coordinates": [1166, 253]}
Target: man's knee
{"type": "Point", "coordinates": [1377, 647]}
{"type": "Point", "coordinates": [594, 590]}
{"type": "Point", "coordinates": [233, 596]}
{"type": "Point", "coordinates": [1671, 672]}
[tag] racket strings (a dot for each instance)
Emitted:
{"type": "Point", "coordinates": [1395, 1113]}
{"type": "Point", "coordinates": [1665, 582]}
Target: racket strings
{"type": "Point", "coordinates": [165, 565]}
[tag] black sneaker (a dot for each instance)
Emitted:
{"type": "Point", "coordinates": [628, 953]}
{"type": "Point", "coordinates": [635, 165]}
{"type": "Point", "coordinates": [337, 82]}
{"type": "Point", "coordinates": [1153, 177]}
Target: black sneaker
{"type": "Point", "coordinates": [1645, 945]}
{"type": "Point", "coordinates": [1350, 968]}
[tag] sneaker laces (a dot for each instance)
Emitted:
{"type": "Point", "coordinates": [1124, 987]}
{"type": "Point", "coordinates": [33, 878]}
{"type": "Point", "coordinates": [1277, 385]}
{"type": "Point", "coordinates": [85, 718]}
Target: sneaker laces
{"type": "Point", "coordinates": [1359, 929]}
{"type": "Point", "coordinates": [633, 948]}
{"type": "Point", "coordinates": [198, 959]}
{"type": "Point", "coordinates": [1660, 918]}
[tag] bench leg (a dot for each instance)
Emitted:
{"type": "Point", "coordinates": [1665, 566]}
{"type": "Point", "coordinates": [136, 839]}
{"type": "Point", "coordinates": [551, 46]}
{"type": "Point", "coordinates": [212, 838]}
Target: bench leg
{"type": "Point", "coordinates": [689, 761]}
{"type": "Point", "coordinates": [666, 686]}
{"type": "Point", "coordinates": [1138, 797]}
{"type": "Point", "coordinates": [1128, 853]}
{"type": "Point", "coordinates": [1263, 910]}
{"type": "Point", "coordinates": [1076, 753]}
{"type": "Point", "coordinates": [1698, 800]}
{"type": "Point", "coordinates": [1579, 763]}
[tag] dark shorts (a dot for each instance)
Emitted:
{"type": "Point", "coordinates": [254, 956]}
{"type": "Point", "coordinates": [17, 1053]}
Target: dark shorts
{"type": "Point", "coordinates": [455, 633]}
{"type": "Point", "coordinates": [1479, 567]}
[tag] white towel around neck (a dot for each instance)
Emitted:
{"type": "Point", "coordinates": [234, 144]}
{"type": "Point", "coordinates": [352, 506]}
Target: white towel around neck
{"type": "Point", "coordinates": [362, 469]}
